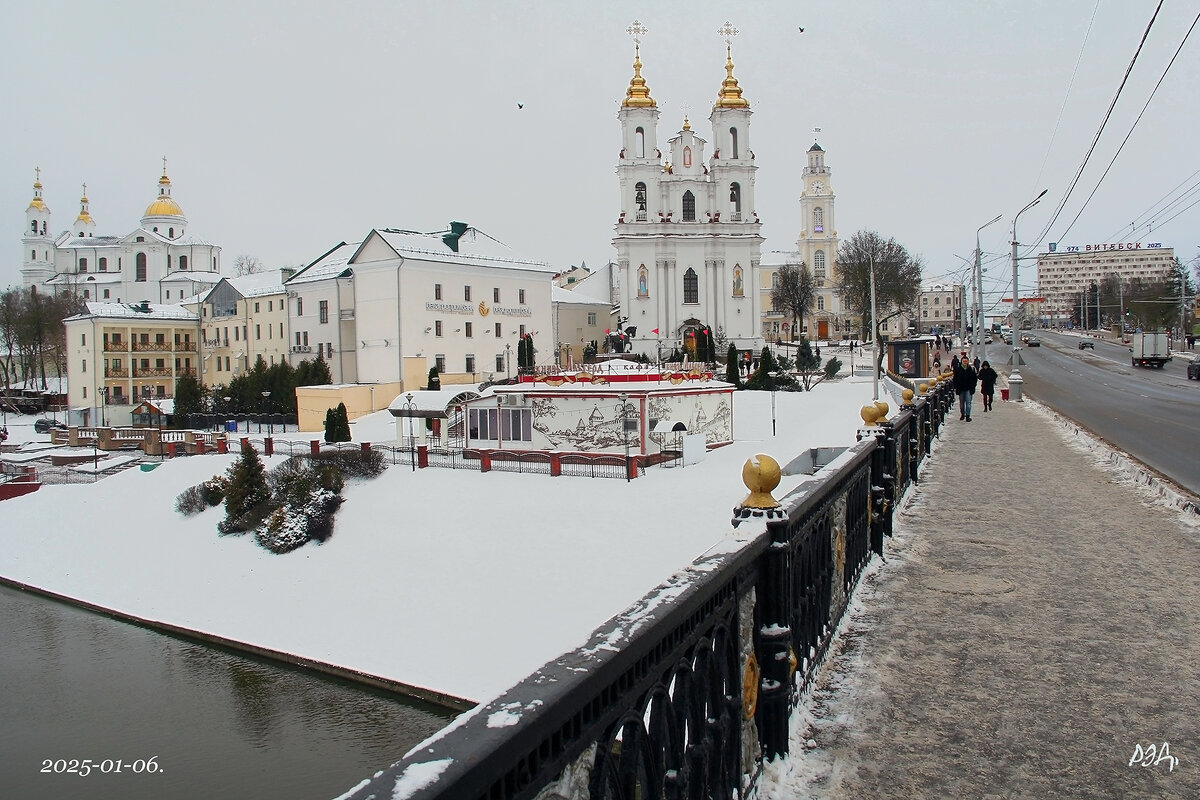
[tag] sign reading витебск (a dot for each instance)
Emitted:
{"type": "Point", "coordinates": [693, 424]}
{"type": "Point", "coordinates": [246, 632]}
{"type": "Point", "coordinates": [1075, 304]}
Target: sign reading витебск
{"type": "Point", "coordinates": [1096, 248]}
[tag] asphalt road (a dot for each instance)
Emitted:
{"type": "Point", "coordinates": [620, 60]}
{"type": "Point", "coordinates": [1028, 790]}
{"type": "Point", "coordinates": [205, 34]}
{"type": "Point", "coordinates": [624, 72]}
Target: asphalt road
{"type": "Point", "coordinates": [1151, 414]}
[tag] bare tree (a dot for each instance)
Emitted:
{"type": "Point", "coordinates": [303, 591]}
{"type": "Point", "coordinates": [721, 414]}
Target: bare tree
{"type": "Point", "coordinates": [246, 265]}
{"type": "Point", "coordinates": [897, 279]}
{"type": "Point", "coordinates": [794, 291]}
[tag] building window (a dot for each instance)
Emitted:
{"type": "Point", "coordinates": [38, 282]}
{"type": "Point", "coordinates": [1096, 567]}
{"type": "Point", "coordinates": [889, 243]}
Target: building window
{"type": "Point", "coordinates": [591, 318]}
{"type": "Point", "coordinates": [437, 327]}
{"type": "Point", "coordinates": [691, 287]}
{"type": "Point", "coordinates": [106, 294]}
{"type": "Point", "coordinates": [689, 206]}
{"type": "Point", "coordinates": [87, 294]}
{"type": "Point", "coordinates": [521, 296]}
{"type": "Point", "coordinates": [323, 311]}
{"type": "Point", "coordinates": [467, 294]}
{"type": "Point", "coordinates": [735, 198]}
{"type": "Point", "coordinates": [236, 334]}
{"type": "Point", "coordinates": [183, 262]}
{"type": "Point", "coordinates": [467, 327]}
{"type": "Point", "coordinates": [305, 335]}
{"type": "Point", "coordinates": [257, 332]}
{"type": "Point", "coordinates": [85, 392]}
{"type": "Point", "coordinates": [733, 141]}
{"type": "Point", "coordinates": [440, 362]}
{"type": "Point", "coordinates": [437, 291]}
{"type": "Point", "coordinates": [297, 338]}
{"type": "Point", "coordinates": [470, 363]}
{"type": "Point", "coordinates": [270, 305]}
{"type": "Point", "coordinates": [299, 306]}
{"type": "Point", "coordinates": [819, 264]}
{"type": "Point", "coordinates": [103, 264]}
{"type": "Point", "coordinates": [820, 303]}
{"type": "Point", "coordinates": [639, 143]}
{"type": "Point", "coordinates": [497, 330]}
{"type": "Point", "coordinates": [84, 365]}
{"type": "Point", "coordinates": [496, 295]}
{"type": "Point", "coordinates": [495, 424]}
{"type": "Point", "coordinates": [521, 332]}
{"type": "Point", "coordinates": [818, 220]}
{"type": "Point", "coordinates": [500, 362]}
{"type": "Point", "coordinates": [139, 269]}
{"type": "Point", "coordinates": [256, 308]}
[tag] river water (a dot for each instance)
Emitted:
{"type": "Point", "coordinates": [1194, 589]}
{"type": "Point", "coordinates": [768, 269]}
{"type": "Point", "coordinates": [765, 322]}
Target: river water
{"type": "Point", "coordinates": [76, 685]}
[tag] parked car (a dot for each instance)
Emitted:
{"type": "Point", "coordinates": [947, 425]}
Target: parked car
{"type": "Point", "coordinates": [44, 425]}
{"type": "Point", "coordinates": [1033, 341]}
{"type": "Point", "coordinates": [1194, 369]}
{"type": "Point", "coordinates": [1087, 344]}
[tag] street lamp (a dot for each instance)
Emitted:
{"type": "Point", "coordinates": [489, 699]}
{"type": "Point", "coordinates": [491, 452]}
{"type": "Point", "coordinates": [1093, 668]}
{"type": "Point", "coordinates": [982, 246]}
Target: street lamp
{"type": "Point", "coordinates": [508, 361]}
{"type": "Point", "coordinates": [409, 408]}
{"type": "Point", "coordinates": [228, 409]}
{"type": "Point", "coordinates": [266, 405]}
{"type": "Point", "coordinates": [624, 409]}
{"type": "Point", "coordinates": [977, 338]}
{"type": "Point", "coordinates": [1014, 375]}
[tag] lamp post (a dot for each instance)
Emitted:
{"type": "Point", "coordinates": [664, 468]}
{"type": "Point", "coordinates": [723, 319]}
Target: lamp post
{"type": "Point", "coordinates": [228, 409]}
{"type": "Point", "coordinates": [508, 361]}
{"type": "Point", "coordinates": [266, 405]}
{"type": "Point", "coordinates": [977, 338]}
{"type": "Point", "coordinates": [409, 408]}
{"type": "Point", "coordinates": [773, 375]}
{"type": "Point", "coordinates": [1015, 373]}
{"type": "Point", "coordinates": [624, 409]}
{"type": "Point", "coordinates": [874, 335]}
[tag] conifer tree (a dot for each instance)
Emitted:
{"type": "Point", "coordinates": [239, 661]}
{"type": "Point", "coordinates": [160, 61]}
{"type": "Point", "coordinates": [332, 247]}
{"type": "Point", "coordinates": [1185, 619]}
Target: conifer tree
{"type": "Point", "coordinates": [247, 489]}
{"type": "Point", "coordinates": [732, 373]}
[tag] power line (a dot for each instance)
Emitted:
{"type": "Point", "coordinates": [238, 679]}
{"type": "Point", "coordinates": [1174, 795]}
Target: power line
{"type": "Point", "coordinates": [1135, 226]}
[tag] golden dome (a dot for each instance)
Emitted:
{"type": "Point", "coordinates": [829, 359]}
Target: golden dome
{"type": "Point", "coordinates": [164, 206]}
{"type": "Point", "coordinates": [84, 216]}
{"type": "Point", "coordinates": [730, 95]}
{"type": "Point", "coordinates": [36, 202]}
{"type": "Point", "coordinates": [638, 93]}
{"type": "Point", "coordinates": [687, 125]}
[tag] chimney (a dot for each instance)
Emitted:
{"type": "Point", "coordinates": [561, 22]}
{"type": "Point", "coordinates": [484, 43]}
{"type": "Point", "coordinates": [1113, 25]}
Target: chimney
{"type": "Point", "coordinates": [457, 229]}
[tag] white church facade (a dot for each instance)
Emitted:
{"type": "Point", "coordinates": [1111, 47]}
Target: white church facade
{"type": "Point", "coordinates": [158, 262]}
{"type": "Point", "coordinates": [688, 237]}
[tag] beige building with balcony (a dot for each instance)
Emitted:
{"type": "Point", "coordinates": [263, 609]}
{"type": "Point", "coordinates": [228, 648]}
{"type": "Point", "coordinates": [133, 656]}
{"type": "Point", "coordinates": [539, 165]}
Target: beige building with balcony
{"type": "Point", "coordinates": [241, 319]}
{"type": "Point", "coordinates": [120, 354]}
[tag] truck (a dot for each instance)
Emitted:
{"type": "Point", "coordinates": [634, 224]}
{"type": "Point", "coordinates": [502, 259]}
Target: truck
{"type": "Point", "coordinates": [1150, 349]}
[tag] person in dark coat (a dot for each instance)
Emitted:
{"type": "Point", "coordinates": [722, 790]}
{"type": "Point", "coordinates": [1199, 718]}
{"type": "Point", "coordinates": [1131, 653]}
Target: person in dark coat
{"type": "Point", "coordinates": [987, 384]}
{"type": "Point", "coordinates": [965, 380]}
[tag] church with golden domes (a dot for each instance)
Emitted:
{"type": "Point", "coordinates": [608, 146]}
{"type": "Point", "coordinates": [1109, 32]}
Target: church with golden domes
{"type": "Point", "coordinates": [688, 237]}
{"type": "Point", "coordinates": [159, 262]}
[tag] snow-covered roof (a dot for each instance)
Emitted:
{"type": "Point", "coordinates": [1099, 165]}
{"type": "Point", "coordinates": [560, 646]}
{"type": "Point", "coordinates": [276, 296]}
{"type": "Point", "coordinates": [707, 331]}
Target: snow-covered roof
{"type": "Point", "coordinates": [778, 258]}
{"type": "Point", "coordinates": [474, 248]}
{"type": "Point", "coordinates": [98, 242]}
{"type": "Point", "coordinates": [192, 277]}
{"type": "Point", "coordinates": [135, 311]}
{"type": "Point", "coordinates": [256, 284]}
{"type": "Point", "coordinates": [431, 402]}
{"type": "Point", "coordinates": [72, 278]}
{"type": "Point", "coordinates": [561, 295]}
{"type": "Point", "coordinates": [330, 265]}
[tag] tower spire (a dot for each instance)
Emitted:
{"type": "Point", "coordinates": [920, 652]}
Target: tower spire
{"type": "Point", "coordinates": [730, 94]}
{"type": "Point", "coordinates": [85, 216]}
{"type": "Point", "coordinates": [638, 93]}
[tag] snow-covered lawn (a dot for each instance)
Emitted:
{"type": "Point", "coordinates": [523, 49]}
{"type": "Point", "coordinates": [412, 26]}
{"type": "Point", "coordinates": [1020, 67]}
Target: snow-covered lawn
{"type": "Point", "coordinates": [456, 581]}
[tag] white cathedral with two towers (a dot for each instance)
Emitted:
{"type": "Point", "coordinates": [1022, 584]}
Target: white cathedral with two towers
{"type": "Point", "coordinates": [158, 262]}
{"type": "Point", "coordinates": [688, 237]}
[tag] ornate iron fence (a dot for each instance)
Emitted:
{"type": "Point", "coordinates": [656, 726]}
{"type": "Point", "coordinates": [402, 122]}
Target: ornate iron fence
{"type": "Point", "coordinates": [687, 691]}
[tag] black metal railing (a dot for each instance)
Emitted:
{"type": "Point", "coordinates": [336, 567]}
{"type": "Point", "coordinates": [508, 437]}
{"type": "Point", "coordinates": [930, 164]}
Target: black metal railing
{"type": "Point", "coordinates": [686, 692]}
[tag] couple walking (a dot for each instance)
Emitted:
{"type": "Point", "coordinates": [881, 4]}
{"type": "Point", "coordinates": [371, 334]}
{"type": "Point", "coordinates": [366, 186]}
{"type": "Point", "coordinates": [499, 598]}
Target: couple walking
{"type": "Point", "coordinates": [966, 379]}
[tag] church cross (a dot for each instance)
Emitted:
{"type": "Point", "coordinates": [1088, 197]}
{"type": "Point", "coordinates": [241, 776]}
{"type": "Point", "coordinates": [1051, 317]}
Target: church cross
{"type": "Point", "coordinates": [637, 30]}
{"type": "Point", "coordinates": [728, 31]}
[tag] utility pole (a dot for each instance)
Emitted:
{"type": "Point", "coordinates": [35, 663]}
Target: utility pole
{"type": "Point", "coordinates": [1014, 374]}
{"type": "Point", "coordinates": [874, 335]}
{"type": "Point", "coordinates": [977, 339]}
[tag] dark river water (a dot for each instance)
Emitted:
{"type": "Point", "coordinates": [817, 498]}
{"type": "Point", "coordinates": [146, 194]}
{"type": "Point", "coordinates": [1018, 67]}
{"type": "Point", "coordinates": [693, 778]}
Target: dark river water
{"type": "Point", "coordinates": [183, 720]}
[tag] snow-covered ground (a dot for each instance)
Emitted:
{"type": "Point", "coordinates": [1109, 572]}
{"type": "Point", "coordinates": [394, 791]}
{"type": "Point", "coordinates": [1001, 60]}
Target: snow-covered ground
{"type": "Point", "coordinates": [456, 581]}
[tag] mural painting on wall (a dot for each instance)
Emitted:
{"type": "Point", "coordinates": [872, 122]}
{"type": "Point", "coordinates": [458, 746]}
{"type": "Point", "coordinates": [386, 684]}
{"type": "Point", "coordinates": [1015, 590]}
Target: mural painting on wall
{"type": "Point", "coordinates": [643, 289]}
{"type": "Point", "coordinates": [600, 427]}
{"type": "Point", "coordinates": [737, 281]}
{"type": "Point", "coordinates": [689, 410]}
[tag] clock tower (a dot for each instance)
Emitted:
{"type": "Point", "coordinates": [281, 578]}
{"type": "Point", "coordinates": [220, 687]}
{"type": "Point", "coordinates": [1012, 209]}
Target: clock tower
{"type": "Point", "coordinates": [818, 243]}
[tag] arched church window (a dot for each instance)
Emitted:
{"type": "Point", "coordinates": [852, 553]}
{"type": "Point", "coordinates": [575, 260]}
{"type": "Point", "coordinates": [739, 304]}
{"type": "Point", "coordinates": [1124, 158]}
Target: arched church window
{"type": "Point", "coordinates": [733, 141]}
{"type": "Point", "coordinates": [691, 287]}
{"type": "Point", "coordinates": [639, 143]}
{"type": "Point", "coordinates": [818, 220]}
{"type": "Point", "coordinates": [140, 268]}
{"type": "Point", "coordinates": [33, 227]}
{"type": "Point", "coordinates": [820, 303]}
{"type": "Point", "coordinates": [83, 265]}
{"type": "Point", "coordinates": [687, 156]}
{"type": "Point", "coordinates": [689, 207]}
{"type": "Point", "coordinates": [170, 233]}
{"type": "Point", "coordinates": [639, 196]}
{"type": "Point", "coordinates": [103, 265]}
{"type": "Point", "coordinates": [183, 262]}
{"type": "Point", "coordinates": [735, 197]}
{"type": "Point", "coordinates": [819, 264]}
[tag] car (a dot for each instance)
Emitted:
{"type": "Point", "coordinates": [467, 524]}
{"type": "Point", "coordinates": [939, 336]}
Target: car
{"type": "Point", "coordinates": [987, 340]}
{"type": "Point", "coordinates": [1033, 341]}
{"type": "Point", "coordinates": [1193, 369]}
{"type": "Point", "coordinates": [44, 425]}
{"type": "Point", "coordinates": [1087, 345]}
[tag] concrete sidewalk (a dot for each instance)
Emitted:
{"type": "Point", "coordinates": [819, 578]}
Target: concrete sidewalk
{"type": "Point", "coordinates": [1035, 624]}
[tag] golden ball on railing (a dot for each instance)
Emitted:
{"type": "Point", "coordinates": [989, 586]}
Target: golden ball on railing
{"type": "Point", "coordinates": [907, 394]}
{"type": "Point", "coordinates": [923, 388]}
{"type": "Point", "coordinates": [869, 414]}
{"type": "Point", "coordinates": [883, 410]}
{"type": "Point", "coordinates": [761, 475]}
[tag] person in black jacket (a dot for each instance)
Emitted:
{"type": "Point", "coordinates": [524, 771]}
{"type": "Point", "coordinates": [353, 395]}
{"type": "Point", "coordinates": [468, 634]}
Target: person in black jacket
{"type": "Point", "coordinates": [987, 384]}
{"type": "Point", "coordinates": [965, 380]}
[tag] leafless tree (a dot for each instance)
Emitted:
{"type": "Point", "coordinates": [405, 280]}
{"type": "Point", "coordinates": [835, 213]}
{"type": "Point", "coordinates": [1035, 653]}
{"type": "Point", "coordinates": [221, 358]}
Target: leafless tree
{"type": "Point", "coordinates": [246, 265]}
{"type": "Point", "coordinates": [794, 291]}
{"type": "Point", "coordinates": [897, 279]}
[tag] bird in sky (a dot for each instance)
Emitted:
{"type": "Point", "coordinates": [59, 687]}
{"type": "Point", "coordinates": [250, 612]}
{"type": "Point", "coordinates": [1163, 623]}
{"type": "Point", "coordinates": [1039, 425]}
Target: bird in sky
{"type": "Point", "coordinates": [802, 30]}
{"type": "Point", "coordinates": [520, 105]}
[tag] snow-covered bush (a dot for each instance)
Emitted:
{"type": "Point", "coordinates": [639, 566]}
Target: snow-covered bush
{"type": "Point", "coordinates": [353, 463]}
{"type": "Point", "coordinates": [195, 499]}
{"type": "Point", "coordinates": [290, 526]}
{"type": "Point", "coordinates": [246, 494]}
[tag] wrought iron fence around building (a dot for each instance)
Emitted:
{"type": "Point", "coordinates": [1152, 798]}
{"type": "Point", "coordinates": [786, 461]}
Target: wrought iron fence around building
{"type": "Point", "coordinates": [688, 691]}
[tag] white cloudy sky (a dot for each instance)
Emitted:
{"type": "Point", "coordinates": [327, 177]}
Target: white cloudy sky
{"type": "Point", "coordinates": [290, 126]}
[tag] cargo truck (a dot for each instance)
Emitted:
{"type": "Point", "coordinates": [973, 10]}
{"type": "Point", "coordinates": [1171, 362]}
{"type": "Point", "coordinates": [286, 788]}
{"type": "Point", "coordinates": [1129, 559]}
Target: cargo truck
{"type": "Point", "coordinates": [1150, 349]}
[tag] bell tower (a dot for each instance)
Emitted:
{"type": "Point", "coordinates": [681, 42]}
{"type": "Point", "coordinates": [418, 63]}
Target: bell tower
{"type": "Point", "coordinates": [37, 263]}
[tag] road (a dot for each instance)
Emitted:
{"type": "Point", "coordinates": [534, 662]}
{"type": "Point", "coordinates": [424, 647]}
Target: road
{"type": "Point", "coordinates": [1149, 413]}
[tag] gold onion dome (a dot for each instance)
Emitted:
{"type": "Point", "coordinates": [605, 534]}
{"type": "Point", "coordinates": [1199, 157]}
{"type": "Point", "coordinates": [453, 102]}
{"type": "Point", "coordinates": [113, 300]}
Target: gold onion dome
{"type": "Point", "coordinates": [687, 124]}
{"type": "Point", "coordinates": [638, 93]}
{"type": "Point", "coordinates": [36, 202]}
{"type": "Point", "coordinates": [163, 205]}
{"type": "Point", "coordinates": [730, 95]}
{"type": "Point", "coordinates": [84, 215]}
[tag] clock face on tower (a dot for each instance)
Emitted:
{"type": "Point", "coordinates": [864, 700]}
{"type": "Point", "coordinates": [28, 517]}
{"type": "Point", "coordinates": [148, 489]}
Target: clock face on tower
{"type": "Point", "coordinates": [818, 187]}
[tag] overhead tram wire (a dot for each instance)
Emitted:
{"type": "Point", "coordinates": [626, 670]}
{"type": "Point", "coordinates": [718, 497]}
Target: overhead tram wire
{"type": "Point", "coordinates": [1070, 85]}
{"type": "Point", "coordinates": [1135, 225]}
{"type": "Point", "coordinates": [1096, 139]}
{"type": "Point", "coordinates": [1132, 127]}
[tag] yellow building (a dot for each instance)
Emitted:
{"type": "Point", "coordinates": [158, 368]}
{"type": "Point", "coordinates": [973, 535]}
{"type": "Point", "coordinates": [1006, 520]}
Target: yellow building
{"type": "Point", "coordinates": [241, 319]}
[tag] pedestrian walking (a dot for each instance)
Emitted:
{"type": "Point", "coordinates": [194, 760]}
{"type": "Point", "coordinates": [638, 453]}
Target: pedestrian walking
{"type": "Point", "coordinates": [817, 351]}
{"type": "Point", "coordinates": [987, 384]}
{"type": "Point", "coordinates": [965, 381]}
{"type": "Point", "coordinates": [954, 364]}
{"type": "Point", "coordinates": [975, 363]}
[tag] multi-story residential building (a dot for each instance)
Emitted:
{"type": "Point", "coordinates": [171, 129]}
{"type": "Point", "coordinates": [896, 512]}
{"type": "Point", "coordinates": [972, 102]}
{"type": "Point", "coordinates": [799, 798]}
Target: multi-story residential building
{"type": "Point", "coordinates": [159, 262]}
{"type": "Point", "coordinates": [388, 308]}
{"type": "Point", "coordinates": [942, 307]}
{"type": "Point", "coordinates": [687, 237]}
{"type": "Point", "coordinates": [578, 320]}
{"type": "Point", "coordinates": [120, 353]}
{"type": "Point", "coordinates": [241, 319]}
{"type": "Point", "coordinates": [1069, 270]}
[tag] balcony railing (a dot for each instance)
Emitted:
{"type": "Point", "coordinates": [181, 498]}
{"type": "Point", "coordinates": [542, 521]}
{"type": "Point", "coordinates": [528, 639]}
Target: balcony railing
{"type": "Point", "coordinates": [116, 372]}
{"type": "Point", "coordinates": [116, 347]}
{"type": "Point", "coordinates": [191, 371]}
{"type": "Point", "coordinates": [185, 347]}
{"type": "Point", "coordinates": [151, 347]}
{"type": "Point", "coordinates": [152, 372]}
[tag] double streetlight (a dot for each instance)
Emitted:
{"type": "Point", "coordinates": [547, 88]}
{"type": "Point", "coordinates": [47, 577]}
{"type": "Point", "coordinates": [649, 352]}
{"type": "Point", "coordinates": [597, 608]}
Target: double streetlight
{"type": "Point", "coordinates": [977, 336]}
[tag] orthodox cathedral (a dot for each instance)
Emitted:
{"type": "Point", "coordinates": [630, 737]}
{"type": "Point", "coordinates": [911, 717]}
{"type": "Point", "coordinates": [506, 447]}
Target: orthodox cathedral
{"type": "Point", "coordinates": [159, 262]}
{"type": "Point", "coordinates": [688, 237]}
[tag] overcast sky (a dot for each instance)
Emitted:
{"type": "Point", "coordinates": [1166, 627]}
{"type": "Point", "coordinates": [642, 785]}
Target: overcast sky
{"type": "Point", "coordinates": [292, 126]}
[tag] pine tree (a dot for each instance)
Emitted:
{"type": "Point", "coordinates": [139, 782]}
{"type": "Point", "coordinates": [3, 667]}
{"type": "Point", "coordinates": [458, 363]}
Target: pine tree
{"type": "Point", "coordinates": [343, 420]}
{"type": "Point", "coordinates": [247, 490]}
{"type": "Point", "coordinates": [732, 373]}
{"type": "Point", "coordinates": [189, 397]}
{"type": "Point", "coordinates": [330, 425]}
{"type": "Point", "coordinates": [435, 380]}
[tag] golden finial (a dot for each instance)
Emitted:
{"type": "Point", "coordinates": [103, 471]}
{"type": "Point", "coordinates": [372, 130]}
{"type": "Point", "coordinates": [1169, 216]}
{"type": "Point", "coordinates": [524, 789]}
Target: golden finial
{"type": "Point", "coordinates": [687, 125]}
{"type": "Point", "coordinates": [869, 414]}
{"type": "Point", "coordinates": [883, 408]}
{"type": "Point", "coordinates": [730, 95]}
{"type": "Point", "coordinates": [37, 180]}
{"type": "Point", "coordinates": [638, 93]}
{"type": "Point", "coordinates": [164, 180]}
{"type": "Point", "coordinates": [84, 198]}
{"type": "Point", "coordinates": [761, 475]}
